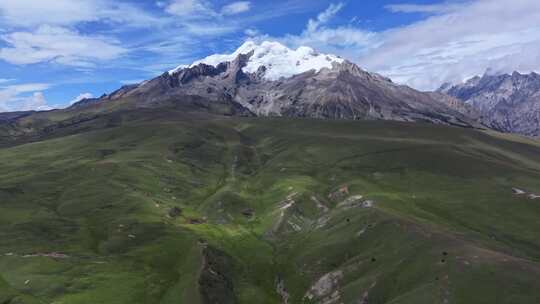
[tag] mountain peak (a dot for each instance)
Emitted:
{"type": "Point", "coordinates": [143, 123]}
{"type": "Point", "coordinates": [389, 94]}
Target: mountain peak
{"type": "Point", "coordinates": [278, 60]}
{"type": "Point", "coordinates": [508, 101]}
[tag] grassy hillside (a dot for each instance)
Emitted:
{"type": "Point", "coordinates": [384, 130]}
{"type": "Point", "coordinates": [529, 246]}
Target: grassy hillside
{"type": "Point", "coordinates": [163, 207]}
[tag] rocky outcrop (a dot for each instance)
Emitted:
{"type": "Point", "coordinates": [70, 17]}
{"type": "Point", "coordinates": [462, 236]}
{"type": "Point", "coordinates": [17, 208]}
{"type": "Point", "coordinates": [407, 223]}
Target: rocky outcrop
{"type": "Point", "coordinates": [326, 289]}
{"type": "Point", "coordinates": [509, 102]}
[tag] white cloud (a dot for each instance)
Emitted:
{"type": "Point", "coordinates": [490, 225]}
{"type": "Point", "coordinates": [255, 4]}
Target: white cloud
{"type": "Point", "coordinates": [236, 8]}
{"type": "Point", "coordinates": [454, 41]}
{"type": "Point", "coordinates": [59, 45]}
{"type": "Point", "coordinates": [34, 12]}
{"type": "Point", "coordinates": [67, 12]}
{"type": "Point", "coordinates": [36, 101]}
{"type": "Point", "coordinates": [4, 80]}
{"type": "Point", "coordinates": [318, 35]}
{"type": "Point", "coordinates": [23, 97]}
{"type": "Point", "coordinates": [346, 41]}
{"type": "Point", "coordinates": [81, 97]}
{"type": "Point", "coordinates": [324, 17]}
{"type": "Point", "coordinates": [209, 29]}
{"type": "Point", "coordinates": [460, 42]}
{"type": "Point", "coordinates": [422, 8]}
{"type": "Point", "coordinates": [252, 32]}
{"type": "Point", "coordinates": [198, 19]}
{"type": "Point", "coordinates": [202, 11]}
{"type": "Point", "coordinates": [191, 9]}
{"type": "Point", "coordinates": [25, 88]}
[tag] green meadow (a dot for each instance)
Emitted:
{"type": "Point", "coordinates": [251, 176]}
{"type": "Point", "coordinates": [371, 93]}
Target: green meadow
{"type": "Point", "coordinates": [164, 206]}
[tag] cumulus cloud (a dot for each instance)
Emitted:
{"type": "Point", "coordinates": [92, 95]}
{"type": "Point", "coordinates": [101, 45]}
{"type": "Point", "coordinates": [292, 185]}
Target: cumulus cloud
{"type": "Point", "coordinates": [59, 45]}
{"type": "Point", "coordinates": [36, 101]}
{"type": "Point", "coordinates": [23, 97]}
{"type": "Point", "coordinates": [236, 8]}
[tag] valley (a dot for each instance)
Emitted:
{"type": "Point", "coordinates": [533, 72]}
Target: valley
{"type": "Point", "coordinates": [176, 205]}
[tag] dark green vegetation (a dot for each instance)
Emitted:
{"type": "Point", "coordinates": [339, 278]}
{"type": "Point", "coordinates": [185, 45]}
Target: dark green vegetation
{"type": "Point", "coordinates": [159, 206]}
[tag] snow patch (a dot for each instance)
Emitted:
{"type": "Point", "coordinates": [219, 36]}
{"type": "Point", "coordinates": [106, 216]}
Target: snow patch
{"type": "Point", "coordinates": [178, 68]}
{"type": "Point", "coordinates": [279, 60]}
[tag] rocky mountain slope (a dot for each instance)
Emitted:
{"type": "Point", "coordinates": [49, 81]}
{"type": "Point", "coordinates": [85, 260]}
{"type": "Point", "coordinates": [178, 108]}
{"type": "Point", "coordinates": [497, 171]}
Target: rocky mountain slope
{"type": "Point", "coordinates": [510, 103]}
{"type": "Point", "coordinates": [269, 79]}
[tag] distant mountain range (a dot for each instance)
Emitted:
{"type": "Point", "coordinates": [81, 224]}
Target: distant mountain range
{"type": "Point", "coordinates": [508, 103]}
{"type": "Point", "coordinates": [269, 79]}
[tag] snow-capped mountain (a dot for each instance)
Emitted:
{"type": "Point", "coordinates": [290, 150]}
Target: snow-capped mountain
{"type": "Point", "coordinates": [269, 79]}
{"type": "Point", "coordinates": [278, 60]}
{"type": "Point", "coordinates": [508, 102]}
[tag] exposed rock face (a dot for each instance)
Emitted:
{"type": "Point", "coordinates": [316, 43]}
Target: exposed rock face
{"type": "Point", "coordinates": [458, 105]}
{"type": "Point", "coordinates": [326, 289]}
{"type": "Point", "coordinates": [342, 92]}
{"type": "Point", "coordinates": [510, 103]}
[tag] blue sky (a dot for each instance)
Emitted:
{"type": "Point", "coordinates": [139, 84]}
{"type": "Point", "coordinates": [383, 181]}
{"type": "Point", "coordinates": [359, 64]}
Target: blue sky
{"type": "Point", "coordinates": [55, 51]}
